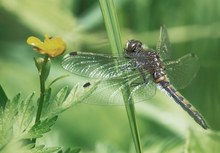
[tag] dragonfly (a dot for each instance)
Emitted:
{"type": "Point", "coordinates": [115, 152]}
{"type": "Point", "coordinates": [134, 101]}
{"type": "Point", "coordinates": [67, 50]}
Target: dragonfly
{"type": "Point", "coordinates": [141, 69]}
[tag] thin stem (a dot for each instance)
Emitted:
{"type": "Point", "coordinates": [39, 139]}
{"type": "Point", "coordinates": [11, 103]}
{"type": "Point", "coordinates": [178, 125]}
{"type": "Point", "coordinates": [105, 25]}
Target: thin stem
{"type": "Point", "coordinates": [42, 91]}
{"type": "Point", "coordinates": [112, 26]}
{"type": "Point", "coordinates": [113, 31]}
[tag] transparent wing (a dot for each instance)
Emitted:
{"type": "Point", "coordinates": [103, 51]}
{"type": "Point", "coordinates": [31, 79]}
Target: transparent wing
{"type": "Point", "coordinates": [182, 71]}
{"type": "Point", "coordinates": [97, 65]}
{"type": "Point", "coordinates": [116, 74]}
{"type": "Point", "coordinates": [109, 92]}
{"type": "Point", "coordinates": [163, 45]}
{"type": "Point", "coordinates": [144, 91]}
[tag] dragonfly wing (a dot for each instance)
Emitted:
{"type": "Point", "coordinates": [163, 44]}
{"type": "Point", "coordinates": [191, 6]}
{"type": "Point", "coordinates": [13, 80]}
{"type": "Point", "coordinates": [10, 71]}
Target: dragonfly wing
{"type": "Point", "coordinates": [109, 92]}
{"type": "Point", "coordinates": [182, 71]}
{"type": "Point", "coordinates": [163, 45]}
{"type": "Point", "coordinates": [97, 65]}
{"type": "Point", "coordinates": [116, 74]}
{"type": "Point", "coordinates": [143, 91]}
{"type": "Point", "coordinates": [140, 89]}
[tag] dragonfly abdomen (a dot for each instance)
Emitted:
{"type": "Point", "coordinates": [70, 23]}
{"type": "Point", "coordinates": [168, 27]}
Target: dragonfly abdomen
{"type": "Point", "coordinates": [179, 99]}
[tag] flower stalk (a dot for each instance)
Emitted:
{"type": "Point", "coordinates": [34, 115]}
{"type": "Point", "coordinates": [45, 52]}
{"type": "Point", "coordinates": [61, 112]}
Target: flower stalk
{"type": "Point", "coordinates": [42, 77]}
{"type": "Point", "coordinates": [51, 47]}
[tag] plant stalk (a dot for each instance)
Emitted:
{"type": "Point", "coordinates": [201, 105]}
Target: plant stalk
{"type": "Point", "coordinates": [42, 91]}
{"type": "Point", "coordinates": [114, 35]}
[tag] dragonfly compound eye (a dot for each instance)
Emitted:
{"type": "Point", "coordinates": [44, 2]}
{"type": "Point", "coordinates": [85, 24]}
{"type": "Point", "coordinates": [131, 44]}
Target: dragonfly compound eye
{"type": "Point", "coordinates": [133, 45]}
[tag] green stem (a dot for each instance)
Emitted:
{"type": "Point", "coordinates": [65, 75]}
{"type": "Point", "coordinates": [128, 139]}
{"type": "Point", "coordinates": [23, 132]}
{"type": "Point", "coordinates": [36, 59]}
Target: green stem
{"type": "Point", "coordinates": [113, 31]}
{"type": "Point", "coordinates": [42, 91]}
{"type": "Point", "coordinates": [130, 109]}
{"type": "Point", "coordinates": [112, 26]}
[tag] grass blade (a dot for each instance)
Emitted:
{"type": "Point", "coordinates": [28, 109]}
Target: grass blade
{"type": "Point", "coordinates": [112, 26]}
{"type": "Point", "coordinates": [113, 31]}
{"type": "Point", "coordinates": [3, 97]}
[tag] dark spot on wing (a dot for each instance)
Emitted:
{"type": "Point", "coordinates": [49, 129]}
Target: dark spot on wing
{"type": "Point", "coordinates": [73, 53]}
{"type": "Point", "coordinates": [86, 84]}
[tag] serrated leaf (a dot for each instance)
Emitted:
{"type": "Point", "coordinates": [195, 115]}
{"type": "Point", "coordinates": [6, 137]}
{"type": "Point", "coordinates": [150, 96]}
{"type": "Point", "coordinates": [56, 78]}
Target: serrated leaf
{"type": "Point", "coordinates": [65, 99]}
{"type": "Point", "coordinates": [40, 128]}
{"type": "Point", "coordinates": [60, 97]}
{"type": "Point", "coordinates": [26, 113]}
{"type": "Point", "coordinates": [3, 97]}
{"type": "Point", "coordinates": [18, 115]}
{"type": "Point", "coordinates": [7, 116]}
{"type": "Point", "coordinates": [53, 106]}
{"type": "Point", "coordinates": [42, 149]}
{"type": "Point", "coordinates": [79, 93]}
{"type": "Point", "coordinates": [30, 148]}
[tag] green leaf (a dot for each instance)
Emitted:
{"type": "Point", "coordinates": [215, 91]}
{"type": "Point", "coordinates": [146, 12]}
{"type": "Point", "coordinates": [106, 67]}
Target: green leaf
{"type": "Point", "coordinates": [57, 79]}
{"type": "Point", "coordinates": [47, 96]}
{"type": "Point", "coordinates": [47, 63]}
{"type": "Point", "coordinates": [7, 116]}
{"type": "Point", "coordinates": [3, 97]}
{"type": "Point", "coordinates": [38, 63]}
{"type": "Point", "coordinates": [32, 148]}
{"type": "Point", "coordinates": [25, 116]}
{"type": "Point", "coordinates": [79, 93]}
{"type": "Point", "coordinates": [47, 101]}
{"type": "Point", "coordinates": [69, 150]}
{"type": "Point", "coordinates": [203, 142]}
{"type": "Point", "coordinates": [64, 99]}
{"type": "Point", "coordinates": [60, 97]}
{"type": "Point", "coordinates": [43, 66]}
{"type": "Point", "coordinates": [40, 128]}
{"type": "Point", "coordinates": [42, 149]}
{"type": "Point", "coordinates": [74, 150]}
{"type": "Point", "coordinates": [54, 106]}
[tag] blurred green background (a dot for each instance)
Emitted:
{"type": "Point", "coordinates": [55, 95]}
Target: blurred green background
{"type": "Point", "coordinates": [193, 26]}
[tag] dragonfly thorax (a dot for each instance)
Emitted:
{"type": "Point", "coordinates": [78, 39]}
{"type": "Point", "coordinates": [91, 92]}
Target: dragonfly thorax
{"type": "Point", "coordinates": [147, 59]}
{"type": "Point", "coordinates": [154, 65]}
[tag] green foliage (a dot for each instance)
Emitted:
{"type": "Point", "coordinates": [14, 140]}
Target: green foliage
{"type": "Point", "coordinates": [202, 143]}
{"type": "Point", "coordinates": [192, 26]}
{"type": "Point", "coordinates": [17, 120]}
{"type": "Point", "coordinates": [64, 99]}
{"type": "Point", "coordinates": [40, 64]}
{"type": "Point", "coordinates": [40, 128]}
{"type": "Point", "coordinates": [17, 126]}
{"type": "Point", "coordinates": [77, 150]}
{"type": "Point", "coordinates": [3, 97]}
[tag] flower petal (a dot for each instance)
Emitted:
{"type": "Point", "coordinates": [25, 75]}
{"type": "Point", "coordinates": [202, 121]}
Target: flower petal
{"type": "Point", "coordinates": [52, 46]}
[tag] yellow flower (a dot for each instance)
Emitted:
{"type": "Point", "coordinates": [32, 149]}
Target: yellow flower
{"type": "Point", "coordinates": [52, 46]}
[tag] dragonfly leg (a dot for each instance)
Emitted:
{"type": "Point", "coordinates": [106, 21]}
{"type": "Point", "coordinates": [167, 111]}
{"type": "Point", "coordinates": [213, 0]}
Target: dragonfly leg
{"type": "Point", "coordinates": [144, 77]}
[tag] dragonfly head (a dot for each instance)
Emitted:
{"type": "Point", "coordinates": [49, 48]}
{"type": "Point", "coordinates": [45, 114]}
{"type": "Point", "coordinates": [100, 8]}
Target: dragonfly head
{"type": "Point", "coordinates": [133, 47]}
